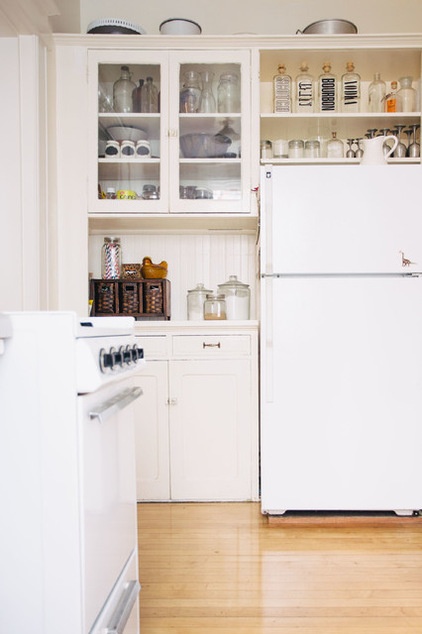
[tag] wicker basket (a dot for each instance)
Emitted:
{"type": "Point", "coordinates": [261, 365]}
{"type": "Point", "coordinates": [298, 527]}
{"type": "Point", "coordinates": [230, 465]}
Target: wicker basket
{"type": "Point", "coordinates": [106, 297]}
{"type": "Point", "coordinates": [129, 297]}
{"type": "Point", "coordinates": [153, 297]}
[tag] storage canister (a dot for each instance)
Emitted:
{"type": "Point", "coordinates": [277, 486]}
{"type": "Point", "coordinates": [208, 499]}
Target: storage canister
{"type": "Point", "coordinates": [195, 302]}
{"type": "Point", "coordinates": [111, 261]}
{"type": "Point", "coordinates": [215, 307]}
{"type": "Point", "coordinates": [237, 298]}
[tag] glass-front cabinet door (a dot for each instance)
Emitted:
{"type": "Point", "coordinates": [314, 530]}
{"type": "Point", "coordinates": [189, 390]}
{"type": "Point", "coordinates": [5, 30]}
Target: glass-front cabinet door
{"type": "Point", "coordinates": [210, 132]}
{"type": "Point", "coordinates": [129, 141]}
{"type": "Point", "coordinates": [170, 133]}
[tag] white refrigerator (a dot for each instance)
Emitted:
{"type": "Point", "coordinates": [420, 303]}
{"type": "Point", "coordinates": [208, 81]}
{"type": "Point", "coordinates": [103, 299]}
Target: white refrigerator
{"type": "Point", "coordinates": [341, 338]}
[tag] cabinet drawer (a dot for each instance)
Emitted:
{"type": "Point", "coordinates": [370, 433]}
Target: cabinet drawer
{"type": "Point", "coordinates": [155, 346]}
{"type": "Point", "coordinates": [211, 345]}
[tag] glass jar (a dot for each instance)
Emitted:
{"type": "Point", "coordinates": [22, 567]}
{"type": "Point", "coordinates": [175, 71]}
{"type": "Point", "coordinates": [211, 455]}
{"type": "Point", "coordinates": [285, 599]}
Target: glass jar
{"type": "Point", "coordinates": [191, 92]}
{"type": "Point", "coordinates": [123, 91]}
{"type": "Point", "coordinates": [312, 149]}
{"type": "Point", "coordinates": [228, 93]}
{"type": "Point", "coordinates": [266, 149]}
{"type": "Point", "coordinates": [406, 95]}
{"type": "Point", "coordinates": [195, 302]}
{"type": "Point", "coordinates": [237, 298]}
{"type": "Point", "coordinates": [149, 192]}
{"type": "Point", "coordinates": [295, 149]}
{"type": "Point", "coordinates": [111, 258]}
{"type": "Point", "coordinates": [215, 307]}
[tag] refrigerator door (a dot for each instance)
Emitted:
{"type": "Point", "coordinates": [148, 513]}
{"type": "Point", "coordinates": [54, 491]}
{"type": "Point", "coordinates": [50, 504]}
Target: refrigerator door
{"type": "Point", "coordinates": [347, 219]}
{"type": "Point", "coordinates": [341, 394]}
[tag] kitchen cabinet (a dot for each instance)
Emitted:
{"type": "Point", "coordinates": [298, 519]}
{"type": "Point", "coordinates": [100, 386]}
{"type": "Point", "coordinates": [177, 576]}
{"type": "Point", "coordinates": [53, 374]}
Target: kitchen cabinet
{"type": "Point", "coordinates": [393, 61]}
{"type": "Point", "coordinates": [196, 429]}
{"type": "Point", "coordinates": [189, 167]}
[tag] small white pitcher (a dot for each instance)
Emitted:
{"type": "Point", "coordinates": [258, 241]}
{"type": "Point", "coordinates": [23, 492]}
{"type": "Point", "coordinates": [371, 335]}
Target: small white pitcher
{"type": "Point", "coordinates": [373, 150]}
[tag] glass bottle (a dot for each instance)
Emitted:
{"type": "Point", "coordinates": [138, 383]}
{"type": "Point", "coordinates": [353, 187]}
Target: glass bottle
{"type": "Point", "coordinates": [282, 91]}
{"type": "Point", "coordinates": [137, 97]}
{"type": "Point", "coordinates": [407, 95]}
{"type": "Point", "coordinates": [149, 96]}
{"type": "Point", "coordinates": [392, 99]}
{"type": "Point", "coordinates": [207, 102]}
{"type": "Point", "coordinates": [123, 90]}
{"type": "Point", "coordinates": [304, 94]}
{"type": "Point", "coordinates": [190, 94]}
{"type": "Point", "coordinates": [350, 89]}
{"type": "Point", "coordinates": [111, 260]}
{"type": "Point", "coordinates": [195, 302]}
{"type": "Point", "coordinates": [335, 147]}
{"type": "Point", "coordinates": [376, 94]}
{"type": "Point", "coordinates": [228, 93]}
{"type": "Point", "coordinates": [215, 307]}
{"type": "Point", "coordinates": [327, 90]}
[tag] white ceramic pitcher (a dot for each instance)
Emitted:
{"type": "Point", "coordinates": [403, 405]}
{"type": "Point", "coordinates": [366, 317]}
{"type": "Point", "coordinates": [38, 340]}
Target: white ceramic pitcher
{"type": "Point", "coordinates": [373, 150]}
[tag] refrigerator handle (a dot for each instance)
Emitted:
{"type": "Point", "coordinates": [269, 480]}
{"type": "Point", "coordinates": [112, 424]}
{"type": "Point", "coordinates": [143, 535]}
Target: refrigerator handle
{"type": "Point", "coordinates": [269, 340]}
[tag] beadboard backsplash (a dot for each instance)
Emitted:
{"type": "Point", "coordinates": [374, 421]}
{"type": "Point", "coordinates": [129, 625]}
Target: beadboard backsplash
{"type": "Point", "coordinates": [191, 259]}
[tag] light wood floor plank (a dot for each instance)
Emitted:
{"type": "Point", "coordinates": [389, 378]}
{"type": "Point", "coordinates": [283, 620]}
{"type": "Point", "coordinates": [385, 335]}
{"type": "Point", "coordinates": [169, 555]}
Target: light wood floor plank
{"type": "Point", "coordinates": [222, 568]}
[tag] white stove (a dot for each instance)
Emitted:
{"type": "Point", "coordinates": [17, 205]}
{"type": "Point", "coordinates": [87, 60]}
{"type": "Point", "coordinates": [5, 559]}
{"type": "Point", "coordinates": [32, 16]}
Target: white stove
{"type": "Point", "coordinates": [68, 389]}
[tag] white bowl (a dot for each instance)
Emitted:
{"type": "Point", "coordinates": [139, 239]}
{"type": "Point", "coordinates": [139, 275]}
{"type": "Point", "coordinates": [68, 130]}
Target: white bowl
{"type": "Point", "coordinates": [180, 26]}
{"type": "Point", "coordinates": [126, 133]}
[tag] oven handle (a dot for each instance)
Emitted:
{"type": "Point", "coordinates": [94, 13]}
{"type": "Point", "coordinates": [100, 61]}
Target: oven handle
{"type": "Point", "coordinates": [124, 608]}
{"type": "Point", "coordinates": [112, 405]}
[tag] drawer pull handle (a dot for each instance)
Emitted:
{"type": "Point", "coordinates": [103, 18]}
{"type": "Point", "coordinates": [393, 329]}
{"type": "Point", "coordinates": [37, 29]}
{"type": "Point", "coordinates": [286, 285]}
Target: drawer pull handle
{"type": "Point", "coordinates": [211, 345]}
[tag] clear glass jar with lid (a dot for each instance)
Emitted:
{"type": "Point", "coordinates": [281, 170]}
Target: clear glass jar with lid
{"type": "Point", "coordinates": [191, 92]}
{"type": "Point", "coordinates": [195, 301]}
{"type": "Point", "coordinates": [215, 307]}
{"type": "Point", "coordinates": [111, 258]}
{"type": "Point", "coordinates": [228, 93]}
{"type": "Point", "coordinates": [237, 297]}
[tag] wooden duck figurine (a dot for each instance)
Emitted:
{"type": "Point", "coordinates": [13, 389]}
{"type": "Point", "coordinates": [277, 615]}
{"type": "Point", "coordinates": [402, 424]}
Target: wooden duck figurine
{"type": "Point", "coordinates": [149, 270]}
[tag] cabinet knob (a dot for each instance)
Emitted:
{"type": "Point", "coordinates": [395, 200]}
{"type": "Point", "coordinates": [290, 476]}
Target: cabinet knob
{"type": "Point", "coordinates": [172, 401]}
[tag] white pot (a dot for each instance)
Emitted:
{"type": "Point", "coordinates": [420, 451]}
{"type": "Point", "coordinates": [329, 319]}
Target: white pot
{"type": "Point", "coordinates": [180, 26]}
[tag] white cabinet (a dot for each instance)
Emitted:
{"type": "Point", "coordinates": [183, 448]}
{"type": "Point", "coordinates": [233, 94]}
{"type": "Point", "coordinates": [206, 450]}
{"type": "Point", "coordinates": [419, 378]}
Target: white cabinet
{"type": "Point", "coordinates": [194, 165]}
{"type": "Point", "coordinates": [196, 430]}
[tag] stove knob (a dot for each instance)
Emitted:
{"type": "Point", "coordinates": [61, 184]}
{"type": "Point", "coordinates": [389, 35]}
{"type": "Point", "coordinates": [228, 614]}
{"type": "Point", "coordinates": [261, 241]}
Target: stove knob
{"type": "Point", "coordinates": [135, 352]}
{"type": "Point", "coordinates": [127, 355]}
{"type": "Point", "coordinates": [106, 360]}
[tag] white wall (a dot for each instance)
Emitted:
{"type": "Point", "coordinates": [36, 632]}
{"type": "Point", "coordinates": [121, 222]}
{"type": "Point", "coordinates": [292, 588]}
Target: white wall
{"type": "Point", "coordinates": [22, 173]}
{"type": "Point", "coordinates": [281, 17]}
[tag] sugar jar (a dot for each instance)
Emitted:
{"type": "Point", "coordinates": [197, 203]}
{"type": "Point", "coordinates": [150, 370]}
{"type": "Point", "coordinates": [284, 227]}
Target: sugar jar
{"type": "Point", "coordinates": [237, 298]}
{"type": "Point", "coordinates": [195, 301]}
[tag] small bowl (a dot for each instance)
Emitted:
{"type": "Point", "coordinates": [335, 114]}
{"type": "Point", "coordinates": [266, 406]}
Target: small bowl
{"type": "Point", "coordinates": [180, 26]}
{"type": "Point", "coordinates": [126, 133]}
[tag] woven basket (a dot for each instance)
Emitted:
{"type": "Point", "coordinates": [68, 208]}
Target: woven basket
{"type": "Point", "coordinates": [129, 297]}
{"type": "Point", "coordinates": [105, 297]}
{"type": "Point", "coordinates": [153, 297]}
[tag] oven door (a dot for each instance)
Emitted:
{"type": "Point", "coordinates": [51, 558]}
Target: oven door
{"type": "Point", "coordinates": [108, 490]}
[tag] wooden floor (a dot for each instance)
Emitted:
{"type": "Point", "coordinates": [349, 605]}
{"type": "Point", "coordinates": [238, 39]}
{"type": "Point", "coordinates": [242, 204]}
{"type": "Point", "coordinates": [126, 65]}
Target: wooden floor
{"type": "Point", "coordinates": [223, 568]}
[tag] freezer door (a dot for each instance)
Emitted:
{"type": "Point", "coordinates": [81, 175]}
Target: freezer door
{"type": "Point", "coordinates": [348, 219]}
{"type": "Point", "coordinates": [341, 394]}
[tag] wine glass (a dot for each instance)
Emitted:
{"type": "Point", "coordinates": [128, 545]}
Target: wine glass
{"type": "Point", "coordinates": [414, 148]}
{"type": "Point", "coordinates": [350, 152]}
{"type": "Point", "coordinates": [408, 133]}
{"type": "Point", "coordinates": [401, 149]}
